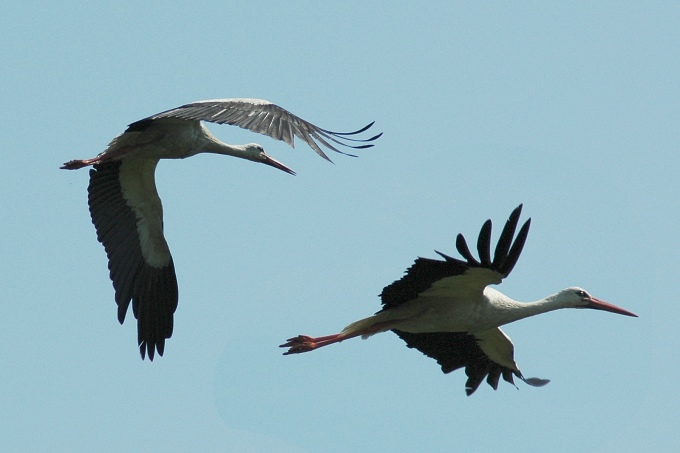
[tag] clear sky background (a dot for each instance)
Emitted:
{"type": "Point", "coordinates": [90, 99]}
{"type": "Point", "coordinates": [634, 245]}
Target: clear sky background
{"type": "Point", "coordinates": [573, 110]}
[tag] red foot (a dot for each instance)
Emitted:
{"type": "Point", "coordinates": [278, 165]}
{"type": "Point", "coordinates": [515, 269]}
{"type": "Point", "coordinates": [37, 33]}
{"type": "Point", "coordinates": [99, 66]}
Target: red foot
{"type": "Point", "coordinates": [301, 343]}
{"type": "Point", "coordinates": [76, 164]}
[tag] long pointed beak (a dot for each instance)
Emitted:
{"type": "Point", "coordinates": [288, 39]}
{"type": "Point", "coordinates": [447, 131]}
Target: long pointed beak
{"type": "Point", "coordinates": [276, 164]}
{"type": "Point", "coordinates": [598, 304]}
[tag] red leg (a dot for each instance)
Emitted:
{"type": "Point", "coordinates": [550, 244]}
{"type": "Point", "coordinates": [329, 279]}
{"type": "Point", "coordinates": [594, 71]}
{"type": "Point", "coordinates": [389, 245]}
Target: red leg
{"type": "Point", "coordinates": [117, 152]}
{"type": "Point", "coordinates": [78, 163]}
{"type": "Point", "coordinates": [304, 343]}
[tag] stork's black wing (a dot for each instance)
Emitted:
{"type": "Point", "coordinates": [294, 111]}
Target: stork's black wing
{"type": "Point", "coordinates": [453, 350]}
{"type": "Point", "coordinates": [426, 271]}
{"type": "Point", "coordinates": [152, 289]}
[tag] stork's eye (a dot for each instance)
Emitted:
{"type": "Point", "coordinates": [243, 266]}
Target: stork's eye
{"type": "Point", "coordinates": [581, 293]}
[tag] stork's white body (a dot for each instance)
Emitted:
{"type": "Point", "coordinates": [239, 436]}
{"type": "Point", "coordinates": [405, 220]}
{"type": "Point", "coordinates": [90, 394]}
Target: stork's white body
{"type": "Point", "coordinates": [469, 313]}
{"type": "Point", "coordinates": [173, 138]}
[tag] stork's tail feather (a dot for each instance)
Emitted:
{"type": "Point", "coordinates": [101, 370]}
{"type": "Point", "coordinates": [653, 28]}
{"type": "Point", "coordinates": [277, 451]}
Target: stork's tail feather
{"type": "Point", "coordinates": [536, 382]}
{"type": "Point", "coordinates": [367, 327]}
{"type": "Point", "coordinates": [363, 325]}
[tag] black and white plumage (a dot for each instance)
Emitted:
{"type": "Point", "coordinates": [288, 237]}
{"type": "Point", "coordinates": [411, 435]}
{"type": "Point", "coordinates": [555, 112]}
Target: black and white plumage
{"type": "Point", "coordinates": [126, 209]}
{"type": "Point", "coordinates": [446, 309]}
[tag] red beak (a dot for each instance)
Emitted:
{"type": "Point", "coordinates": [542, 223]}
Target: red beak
{"type": "Point", "coordinates": [598, 304]}
{"type": "Point", "coordinates": [276, 164]}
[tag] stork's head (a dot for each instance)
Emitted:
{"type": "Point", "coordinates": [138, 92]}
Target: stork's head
{"type": "Point", "coordinates": [580, 298]}
{"type": "Point", "coordinates": [256, 153]}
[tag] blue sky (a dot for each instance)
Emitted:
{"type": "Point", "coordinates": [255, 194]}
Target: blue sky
{"type": "Point", "coordinates": [572, 109]}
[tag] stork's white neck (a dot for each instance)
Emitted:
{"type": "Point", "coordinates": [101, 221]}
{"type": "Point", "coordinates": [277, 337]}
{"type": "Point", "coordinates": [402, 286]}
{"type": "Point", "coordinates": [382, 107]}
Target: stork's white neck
{"type": "Point", "coordinates": [507, 310]}
{"type": "Point", "coordinates": [248, 151]}
{"type": "Point", "coordinates": [212, 145]}
{"type": "Point", "coordinates": [208, 143]}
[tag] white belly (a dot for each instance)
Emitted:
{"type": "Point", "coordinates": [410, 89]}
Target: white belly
{"type": "Point", "coordinates": [440, 314]}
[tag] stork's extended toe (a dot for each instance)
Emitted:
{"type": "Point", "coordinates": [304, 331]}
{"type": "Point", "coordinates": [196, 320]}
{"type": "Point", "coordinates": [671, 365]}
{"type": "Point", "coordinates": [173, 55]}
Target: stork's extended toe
{"type": "Point", "coordinates": [301, 343]}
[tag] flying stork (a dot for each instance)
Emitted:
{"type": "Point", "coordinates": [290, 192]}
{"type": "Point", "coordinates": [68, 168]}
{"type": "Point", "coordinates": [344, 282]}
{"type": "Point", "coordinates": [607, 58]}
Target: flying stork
{"type": "Point", "coordinates": [446, 310]}
{"type": "Point", "coordinates": [127, 212]}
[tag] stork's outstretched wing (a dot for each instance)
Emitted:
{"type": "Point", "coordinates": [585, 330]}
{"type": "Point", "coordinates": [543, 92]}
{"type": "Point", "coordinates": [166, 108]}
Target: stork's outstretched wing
{"type": "Point", "coordinates": [263, 117]}
{"type": "Point", "coordinates": [453, 350]}
{"type": "Point", "coordinates": [425, 273]}
{"type": "Point", "coordinates": [128, 217]}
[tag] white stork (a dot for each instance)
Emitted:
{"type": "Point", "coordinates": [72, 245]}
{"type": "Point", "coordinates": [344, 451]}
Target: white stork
{"type": "Point", "coordinates": [446, 310]}
{"type": "Point", "coordinates": [127, 212]}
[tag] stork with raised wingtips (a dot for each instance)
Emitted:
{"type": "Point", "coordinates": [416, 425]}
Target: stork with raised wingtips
{"type": "Point", "coordinates": [127, 212]}
{"type": "Point", "coordinates": [446, 309]}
